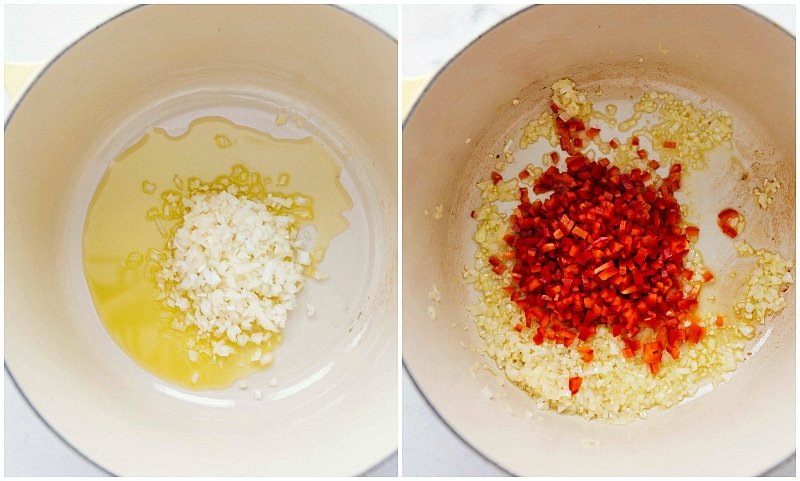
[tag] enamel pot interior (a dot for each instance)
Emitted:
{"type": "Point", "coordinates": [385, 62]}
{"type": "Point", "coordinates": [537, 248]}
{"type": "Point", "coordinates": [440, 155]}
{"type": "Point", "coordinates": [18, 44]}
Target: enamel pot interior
{"type": "Point", "coordinates": [738, 61]}
{"type": "Point", "coordinates": [334, 412]}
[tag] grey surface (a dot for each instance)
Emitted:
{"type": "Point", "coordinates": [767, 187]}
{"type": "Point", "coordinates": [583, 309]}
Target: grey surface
{"type": "Point", "coordinates": [787, 468]}
{"type": "Point", "coordinates": [36, 33]}
{"type": "Point", "coordinates": [430, 448]}
{"type": "Point", "coordinates": [433, 34]}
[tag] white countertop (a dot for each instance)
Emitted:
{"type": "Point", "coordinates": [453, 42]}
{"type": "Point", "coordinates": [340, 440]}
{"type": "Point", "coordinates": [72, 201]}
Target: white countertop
{"type": "Point", "coordinates": [432, 34]}
{"type": "Point", "coordinates": [37, 33]}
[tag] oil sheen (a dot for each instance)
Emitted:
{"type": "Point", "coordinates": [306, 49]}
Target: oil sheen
{"type": "Point", "coordinates": [119, 238]}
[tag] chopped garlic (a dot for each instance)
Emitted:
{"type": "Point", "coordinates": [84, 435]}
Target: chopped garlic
{"type": "Point", "coordinates": [764, 195]}
{"type": "Point", "coordinates": [134, 259]}
{"type": "Point", "coordinates": [273, 382]}
{"type": "Point", "coordinates": [432, 312]}
{"type": "Point", "coordinates": [148, 187]}
{"type": "Point", "coordinates": [243, 384]}
{"type": "Point", "coordinates": [434, 294]}
{"type": "Point", "coordinates": [310, 310]}
{"type": "Point", "coordinates": [571, 100]}
{"type": "Point", "coordinates": [744, 249]}
{"type": "Point", "coordinates": [439, 212]}
{"type": "Point", "coordinates": [544, 127]}
{"type": "Point", "coordinates": [258, 395]}
{"type": "Point", "coordinates": [233, 270]}
{"type": "Point", "coordinates": [283, 179]}
{"type": "Point", "coordinates": [766, 284]}
{"type": "Point", "coordinates": [319, 276]}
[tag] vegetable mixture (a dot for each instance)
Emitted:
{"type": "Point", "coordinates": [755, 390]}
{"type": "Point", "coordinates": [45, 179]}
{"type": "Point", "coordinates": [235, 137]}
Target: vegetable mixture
{"type": "Point", "coordinates": [590, 286]}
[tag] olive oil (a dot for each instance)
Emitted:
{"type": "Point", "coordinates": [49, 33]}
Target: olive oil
{"type": "Point", "coordinates": [125, 232]}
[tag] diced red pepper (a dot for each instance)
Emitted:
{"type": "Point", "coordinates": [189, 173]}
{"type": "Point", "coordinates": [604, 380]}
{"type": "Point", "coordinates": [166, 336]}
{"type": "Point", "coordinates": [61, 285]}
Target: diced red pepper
{"type": "Point", "coordinates": [587, 353]}
{"type": "Point", "coordinates": [580, 232]}
{"type": "Point", "coordinates": [608, 274]}
{"type": "Point", "coordinates": [651, 352]}
{"type": "Point", "coordinates": [695, 333]}
{"type": "Point", "coordinates": [724, 222]}
{"type": "Point", "coordinates": [601, 268]}
{"type": "Point", "coordinates": [575, 384]}
{"type": "Point", "coordinates": [674, 352]}
{"type": "Point", "coordinates": [496, 177]}
{"type": "Point", "coordinates": [633, 344]}
{"type": "Point", "coordinates": [694, 292]}
{"type": "Point", "coordinates": [624, 265]}
{"type": "Point", "coordinates": [669, 144]}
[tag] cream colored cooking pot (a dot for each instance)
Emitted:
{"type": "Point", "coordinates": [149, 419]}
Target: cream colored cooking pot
{"type": "Point", "coordinates": [741, 63]}
{"type": "Point", "coordinates": [334, 411]}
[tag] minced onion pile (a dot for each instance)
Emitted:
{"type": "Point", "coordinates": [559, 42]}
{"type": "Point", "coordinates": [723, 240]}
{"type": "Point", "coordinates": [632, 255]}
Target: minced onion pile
{"type": "Point", "coordinates": [589, 292]}
{"type": "Point", "coordinates": [233, 264]}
